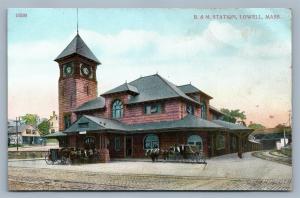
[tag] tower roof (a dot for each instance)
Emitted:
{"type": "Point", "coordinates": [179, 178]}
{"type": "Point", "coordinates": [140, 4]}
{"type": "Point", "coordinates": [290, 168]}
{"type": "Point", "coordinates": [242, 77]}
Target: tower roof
{"type": "Point", "coordinates": [78, 46]}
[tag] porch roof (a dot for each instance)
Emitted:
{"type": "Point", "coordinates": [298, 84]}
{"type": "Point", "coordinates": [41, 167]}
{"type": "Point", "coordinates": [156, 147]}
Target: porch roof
{"type": "Point", "coordinates": [232, 126]}
{"type": "Point", "coordinates": [188, 122]}
{"type": "Point", "coordinates": [97, 124]}
{"type": "Point", "coordinates": [92, 123]}
{"type": "Point", "coordinates": [55, 135]}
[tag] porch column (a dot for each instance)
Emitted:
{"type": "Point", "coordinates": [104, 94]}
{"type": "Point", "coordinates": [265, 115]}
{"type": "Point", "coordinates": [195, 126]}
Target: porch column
{"type": "Point", "coordinates": [212, 145]}
{"type": "Point", "coordinates": [227, 148]}
{"type": "Point", "coordinates": [240, 152]}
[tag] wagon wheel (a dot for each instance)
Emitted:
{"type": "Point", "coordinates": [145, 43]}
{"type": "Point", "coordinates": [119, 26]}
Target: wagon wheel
{"type": "Point", "coordinates": [48, 159]}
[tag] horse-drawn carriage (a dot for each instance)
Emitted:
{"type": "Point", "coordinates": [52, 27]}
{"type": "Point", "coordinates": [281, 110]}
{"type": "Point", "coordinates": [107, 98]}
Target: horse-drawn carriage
{"type": "Point", "coordinates": [71, 155]}
{"type": "Point", "coordinates": [178, 153]}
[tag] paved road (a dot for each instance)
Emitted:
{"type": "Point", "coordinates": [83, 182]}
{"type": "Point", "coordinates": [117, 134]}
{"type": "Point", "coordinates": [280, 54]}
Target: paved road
{"type": "Point", "coordinates": [222, 173]}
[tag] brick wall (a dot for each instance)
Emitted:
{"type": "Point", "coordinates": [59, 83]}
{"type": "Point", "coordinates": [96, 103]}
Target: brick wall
{"type": "Point", "coordinates": [166, 140]}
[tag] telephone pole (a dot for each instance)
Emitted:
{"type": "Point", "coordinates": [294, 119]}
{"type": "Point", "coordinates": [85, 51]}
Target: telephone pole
{"type": "Point", "coordinates": [17, 131]}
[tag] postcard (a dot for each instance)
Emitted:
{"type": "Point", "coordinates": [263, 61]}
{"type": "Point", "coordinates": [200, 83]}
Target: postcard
{"type": "Point", "coordinates": [149, 99]}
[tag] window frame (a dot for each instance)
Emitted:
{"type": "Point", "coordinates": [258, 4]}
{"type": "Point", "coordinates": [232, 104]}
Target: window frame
{"type": "Point", "coordinates": [192, 109]}
{"type": "Point", "coordinates": [114, 110]}
{"type": "Point", "coordinates": [204, 110]}
{"type": "Point", "coordinates": [152, 141]}
{"type": "Point", "coordinates": [149, 108]}
{"type": "Point", "coordinates": [200, 138]}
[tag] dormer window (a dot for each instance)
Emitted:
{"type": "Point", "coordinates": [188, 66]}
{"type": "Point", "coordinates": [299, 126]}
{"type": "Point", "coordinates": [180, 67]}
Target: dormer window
{"type": "Point", "coordinates": [190, 109]}
{"type": "Point", "coordinates": [117, 109]}
{"type": "Point", "coordinates": [203, 111]}
{"type": "Point", "coordinates": [153, 109]}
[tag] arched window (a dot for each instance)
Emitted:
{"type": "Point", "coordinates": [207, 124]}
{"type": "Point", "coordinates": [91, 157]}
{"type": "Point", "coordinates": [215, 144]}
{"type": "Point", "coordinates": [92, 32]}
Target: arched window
{"type": "Point", "coordinates": [203, 111]}
{"type": "Point", "coordinates": [195, 140]}
{"type": "Point", "coordinates": [151, 141]}
{"type": "Point", "coordinates": [117, 109]}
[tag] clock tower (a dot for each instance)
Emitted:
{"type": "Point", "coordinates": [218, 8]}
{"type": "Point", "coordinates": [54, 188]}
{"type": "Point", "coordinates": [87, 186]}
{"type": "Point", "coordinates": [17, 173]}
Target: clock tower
{"type": "Point", "coordinates": [77, 82]}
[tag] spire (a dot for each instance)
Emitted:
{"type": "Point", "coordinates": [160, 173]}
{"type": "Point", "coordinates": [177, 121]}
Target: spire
{"type": "Point", "coordinates": [77, 19]}
{"type": "Point", "coordinates": [77, 46]}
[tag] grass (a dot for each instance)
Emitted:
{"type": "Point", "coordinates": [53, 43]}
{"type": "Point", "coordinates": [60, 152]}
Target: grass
{"type": "Point", "coordinates": [286, 151]}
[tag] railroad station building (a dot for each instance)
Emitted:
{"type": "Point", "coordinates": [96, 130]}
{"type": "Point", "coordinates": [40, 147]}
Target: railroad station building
{"type": "Point", "coordinates": [149, 112]}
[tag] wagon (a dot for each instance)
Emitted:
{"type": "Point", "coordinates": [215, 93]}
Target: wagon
{"type": "Point", "coordinates": [71, 156]}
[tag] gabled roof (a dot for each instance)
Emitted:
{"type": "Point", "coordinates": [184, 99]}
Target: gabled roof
{"type": "Point", "coordinates": [189, 89]}
{"type": "Point", "coordinates": [123, 88]}
{"type": "Point", "coordinates": [21, 128]}
{"type": "Point", "coordinates": [78, 46]}
{"type": "Point", "coordinates": [97, 103]}
{"type": "Point", "coordinates": [232, 126]}
{"type": "Point", "coordinates": [95, 124]}
{"type": "Point", "coordinates": [155, 87]}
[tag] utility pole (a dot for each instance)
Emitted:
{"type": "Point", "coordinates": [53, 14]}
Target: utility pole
{"type": "Point", "coordinates": [17, 131]}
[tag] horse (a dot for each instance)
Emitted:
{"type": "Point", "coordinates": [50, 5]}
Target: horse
{"type": "Point", "coordinates": [153, 153]}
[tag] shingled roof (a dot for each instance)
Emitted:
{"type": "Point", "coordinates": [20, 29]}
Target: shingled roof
{"type": "Point", "coordinates": [123, 88]}
{"type": "Point", "coordinates": [78, 46]}
{"type": "Point", "coordinates": [232, 126]}
{"type": "Point", "coordinates": [102, 124]}
{"type": "Point", "coordinates": [189, 89]}
{"type": "Point", "coordinates": [154, 87]}
{"type": "Point", "coordinates": [97, 103]}
{"type": "Point", "coordinates": [96, 124]}
{"type": "Point", "coordinates": [188, 122]}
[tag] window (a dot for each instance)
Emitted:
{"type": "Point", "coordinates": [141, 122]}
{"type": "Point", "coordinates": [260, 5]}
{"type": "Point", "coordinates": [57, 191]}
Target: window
{"type": "Point", "coordinates": [203, 111]}
{"type": "Point", "coordinates": [117, 143]}
{"type": "Point", "coordinates": [34, 132]}
{"type": "Point", "coordinates": [117, 109]}
{"type": "Point", "coordinates": [67, 120]}
{"type": "Point", "coordinates": [153, 108]}
{"type": "Point", "coordinates": [190, 109]}
{"type": "Point", "coordinates": [195, 140]}
{"type": "Point", "coordinates": [151, 141]}
{"type": "Point", "coordinates": [28, 131]}
{"type": "Point", "coordinates": [89, 140]}
{"type": "Point", "coordinates": [83, 125]}
{"type": "Point", "coordinates": [220, 142]}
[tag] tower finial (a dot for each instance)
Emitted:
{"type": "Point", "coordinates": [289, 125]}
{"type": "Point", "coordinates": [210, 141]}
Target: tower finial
{"type": "Point", "coordinates": [77, 20]}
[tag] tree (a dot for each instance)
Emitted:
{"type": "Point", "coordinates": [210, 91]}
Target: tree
{"type": "Point", "coordinates": [30, 119]}
{"type": "Point", "coordinates": [233, 115]}
{"type": "Point", "coordinates": [256, 126]}
{"type": "Point", "coordinates": [44, 128]}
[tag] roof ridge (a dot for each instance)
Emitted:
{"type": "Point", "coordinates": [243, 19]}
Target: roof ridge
{"type": "Point", "coordinates": [167, 83]}
{"type": "Point", "coordinates": [176, 91]}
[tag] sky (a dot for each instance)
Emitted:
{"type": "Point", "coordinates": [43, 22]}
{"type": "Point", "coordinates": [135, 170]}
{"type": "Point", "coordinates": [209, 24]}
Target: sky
{"type": "Point", "coordinates": [242, 63]}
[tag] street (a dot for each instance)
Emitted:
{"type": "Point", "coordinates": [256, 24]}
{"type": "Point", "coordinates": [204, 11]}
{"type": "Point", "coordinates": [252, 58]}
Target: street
{"type": "Point", "coordinates": [222, 173]}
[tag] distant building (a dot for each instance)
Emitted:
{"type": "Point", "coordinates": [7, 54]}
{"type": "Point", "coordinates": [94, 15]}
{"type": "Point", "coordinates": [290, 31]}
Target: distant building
{"type": "Point", "coordinates": [53, 123]}
{"type": "Point", "coordinates": [27, 134]}
{"type": "Point", "coordinates": [271, 136]}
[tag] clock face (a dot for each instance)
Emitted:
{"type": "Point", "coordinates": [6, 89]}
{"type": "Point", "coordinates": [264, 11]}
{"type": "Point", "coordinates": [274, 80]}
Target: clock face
{"type": "Point", "coordinates": [68, 69]}
{"type": "Point", "coordinates": [85, 70]}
